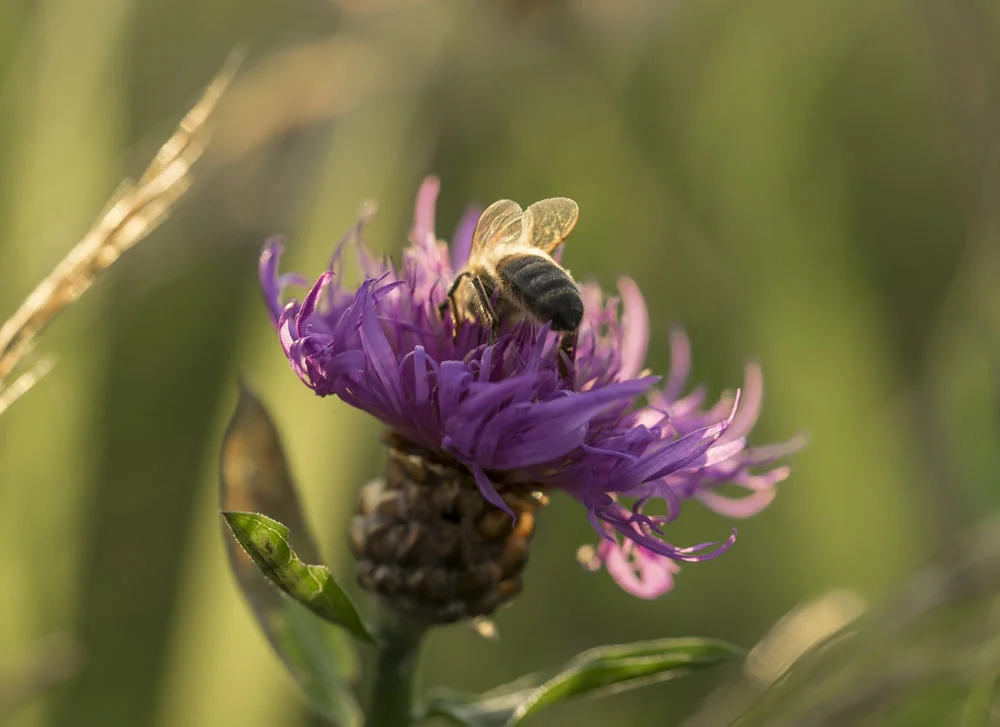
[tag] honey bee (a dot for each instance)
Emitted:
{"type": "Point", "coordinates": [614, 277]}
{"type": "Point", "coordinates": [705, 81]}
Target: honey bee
{"type": "Point", "coordinates": [511, 273]}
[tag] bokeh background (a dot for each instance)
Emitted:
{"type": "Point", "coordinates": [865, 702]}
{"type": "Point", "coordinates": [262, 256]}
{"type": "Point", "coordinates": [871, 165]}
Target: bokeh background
{"type": "Point", "coordinates": [815, 184]}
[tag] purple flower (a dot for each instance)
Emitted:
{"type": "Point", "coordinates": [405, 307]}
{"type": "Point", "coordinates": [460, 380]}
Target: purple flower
{"type": "Point", "coordinates": [613, 436]}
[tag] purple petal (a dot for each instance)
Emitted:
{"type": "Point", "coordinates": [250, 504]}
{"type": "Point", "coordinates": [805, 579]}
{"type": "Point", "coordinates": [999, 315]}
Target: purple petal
{"type": "Point", "coordinates": [381, 357]}
{"type": "Point", "coordinates": [504, 409]}
{"type": "Point", "coordinates": [311, 299]}
{"type": "Point", "coordinates": [453, 382]}
{"type": "Point", "coordinates": [489, 492]}
{"type": "Point", "coordinates": [671, 456]}
{"type": "Point", "coordinates": [273, 285]}
{"type": "Point", "coordinates": [421, 384]}
{"type": "Point", "coordinates": [694, 554]}
{"type": "Point", "coordinates": [558, 427]}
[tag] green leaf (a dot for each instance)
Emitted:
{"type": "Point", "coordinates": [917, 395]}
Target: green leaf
{"type": "Point", "coordinates": [607, 669]}
{"type": "Point", "coordinates": [266, 541]}
{"type": "Point", "coordinates": [254, 476]}
{"type": "Point", "coordinates": [928, 656]}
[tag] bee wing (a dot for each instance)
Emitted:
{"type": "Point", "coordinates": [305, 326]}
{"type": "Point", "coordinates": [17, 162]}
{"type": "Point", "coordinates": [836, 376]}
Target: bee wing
{"type": "Point", "coordinates": [549, 222]}
{"type": "Point", "coordinates": [502, 222]}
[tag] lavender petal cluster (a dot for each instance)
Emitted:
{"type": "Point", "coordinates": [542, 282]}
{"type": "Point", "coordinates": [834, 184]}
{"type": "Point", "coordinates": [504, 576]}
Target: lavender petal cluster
{"type": "Point", "coordinates": [611, 435]}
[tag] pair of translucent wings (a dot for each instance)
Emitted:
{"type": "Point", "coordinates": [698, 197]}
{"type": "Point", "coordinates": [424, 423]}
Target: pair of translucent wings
{"type": "Point", "coordinates": [544, 224]}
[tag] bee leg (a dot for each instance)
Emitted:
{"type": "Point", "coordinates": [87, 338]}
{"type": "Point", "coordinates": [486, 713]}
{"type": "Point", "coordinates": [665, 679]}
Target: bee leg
{"type": "Point", "coordinates": [567, 355]}
{"type": "Point", "coordinates": [484, 309]}
{"type": "Point", "coordinates": [449, 304]}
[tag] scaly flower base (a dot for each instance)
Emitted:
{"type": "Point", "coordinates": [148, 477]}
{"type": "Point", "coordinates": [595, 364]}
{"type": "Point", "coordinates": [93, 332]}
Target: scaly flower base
{"type": "Point", "coordinates": [429, 544]}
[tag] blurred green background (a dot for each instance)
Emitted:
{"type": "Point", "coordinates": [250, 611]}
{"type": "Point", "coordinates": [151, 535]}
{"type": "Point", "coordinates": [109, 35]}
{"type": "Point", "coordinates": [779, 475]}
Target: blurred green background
{"type": "Point", "coordinates": [812, 183]}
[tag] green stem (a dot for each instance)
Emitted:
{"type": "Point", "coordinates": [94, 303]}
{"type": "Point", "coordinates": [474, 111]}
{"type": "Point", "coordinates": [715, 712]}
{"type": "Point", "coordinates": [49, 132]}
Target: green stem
{"type": "Point", "coordinates": [391, 694]}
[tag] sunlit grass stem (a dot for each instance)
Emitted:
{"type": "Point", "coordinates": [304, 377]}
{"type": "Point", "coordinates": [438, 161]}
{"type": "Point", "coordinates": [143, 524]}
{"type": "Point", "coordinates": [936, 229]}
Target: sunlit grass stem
{"type": "Point", "coordinates": [134, 211]}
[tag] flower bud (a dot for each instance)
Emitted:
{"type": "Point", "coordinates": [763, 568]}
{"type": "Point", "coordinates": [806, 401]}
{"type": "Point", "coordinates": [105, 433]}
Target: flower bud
{"type": "Point", "coordinates": [429, 544]}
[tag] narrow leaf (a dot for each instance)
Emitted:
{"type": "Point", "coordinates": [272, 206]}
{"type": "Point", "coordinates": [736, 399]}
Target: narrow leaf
{"type": "Point", "coordinates": [266, 541]}
{"type": "Point", "coordinates": [607, 669]}
{"type": "Point", "coordinates": [930, 655]}
{"type": "Point", "coordinates": [254, 476]}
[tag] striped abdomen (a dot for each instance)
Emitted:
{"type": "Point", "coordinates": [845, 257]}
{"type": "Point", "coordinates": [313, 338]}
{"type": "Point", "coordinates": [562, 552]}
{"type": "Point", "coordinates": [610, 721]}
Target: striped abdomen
{"type": "Point", "coordinates": [543, 289]}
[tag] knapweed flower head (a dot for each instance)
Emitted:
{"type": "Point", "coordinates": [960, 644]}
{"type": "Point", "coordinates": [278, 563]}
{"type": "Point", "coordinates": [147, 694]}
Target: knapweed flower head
{"type": "Point", "coordinates": [611, 435]}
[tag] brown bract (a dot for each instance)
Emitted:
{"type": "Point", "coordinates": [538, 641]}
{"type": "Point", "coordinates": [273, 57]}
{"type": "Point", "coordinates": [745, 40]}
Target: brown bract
{"type": "Point", "coordinates": [430, 545]}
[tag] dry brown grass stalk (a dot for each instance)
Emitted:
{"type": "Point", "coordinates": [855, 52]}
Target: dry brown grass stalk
{"type": "Point", "coordinates": [19, 386]}
{"type": "Point", "coordinates": [135, 210]}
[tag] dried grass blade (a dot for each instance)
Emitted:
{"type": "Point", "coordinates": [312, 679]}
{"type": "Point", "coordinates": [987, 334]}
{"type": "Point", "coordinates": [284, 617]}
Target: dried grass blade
{"type": "Point", "coordinates": [134, 211]}
{"type": "Point", "coordinates": [19, 387]}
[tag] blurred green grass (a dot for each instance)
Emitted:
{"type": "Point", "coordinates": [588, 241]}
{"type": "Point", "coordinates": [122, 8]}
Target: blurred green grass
{"type": "Point", "coordinates": [811, 184]}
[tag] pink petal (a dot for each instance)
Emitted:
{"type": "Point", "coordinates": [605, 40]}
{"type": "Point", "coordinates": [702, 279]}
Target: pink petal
{"type": "Point", "coordinates": [680, 363]}
{"type": "Point", "coordinates": [771, 452]}
{"type": "Point", "coordinates": [736, 508]}
{"type": "Point", "coordinates": [637, 571]}
{"type": "Point", "coordinates": [635, 329]}
{"type": "Point", "coordinates": [423, 216]}
{"type": "Point", "coordinates": [753, 396]}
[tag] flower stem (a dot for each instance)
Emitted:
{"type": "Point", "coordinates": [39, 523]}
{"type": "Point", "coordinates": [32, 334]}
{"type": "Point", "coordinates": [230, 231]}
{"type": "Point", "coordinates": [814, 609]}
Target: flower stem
{"type": "Point", "coordinates": [391, 694]}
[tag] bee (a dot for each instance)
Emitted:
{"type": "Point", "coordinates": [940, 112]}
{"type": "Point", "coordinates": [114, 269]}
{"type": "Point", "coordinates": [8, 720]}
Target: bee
{"type": "Point", "coordinates": [511, 273]}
